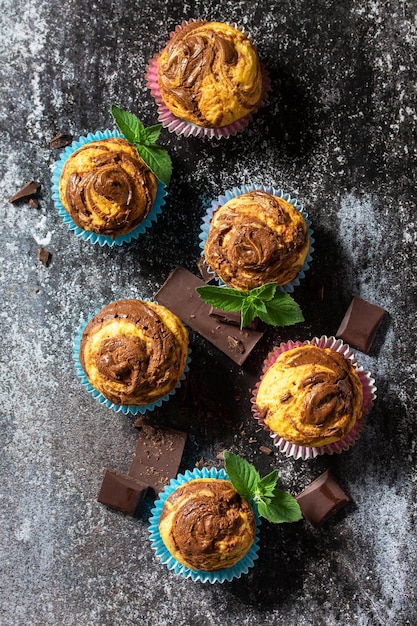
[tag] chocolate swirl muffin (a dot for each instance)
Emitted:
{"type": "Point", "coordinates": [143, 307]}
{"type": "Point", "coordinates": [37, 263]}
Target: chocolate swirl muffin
{"type": "Point", "coordinates": [256, 238]}
{"type": "Point", "coordinates": [310, 396]}
{"type": "Point", "coordinates": [209, 74]}
{"type": "Point", "coordinates": [134, 352]}
{"type": "Point", "coordinates": [106, 187]}
{"type": "Point", "coordinates": [206, 525]}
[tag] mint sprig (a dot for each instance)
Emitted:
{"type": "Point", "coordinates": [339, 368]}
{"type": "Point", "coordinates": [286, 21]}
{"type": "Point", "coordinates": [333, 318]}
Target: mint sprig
{"type": "Point", "coordinates": [270, 304]}
{"type": "Point", "coordinates": [144, 139]}
{"type": "Point", "coordinates": [275, 505]}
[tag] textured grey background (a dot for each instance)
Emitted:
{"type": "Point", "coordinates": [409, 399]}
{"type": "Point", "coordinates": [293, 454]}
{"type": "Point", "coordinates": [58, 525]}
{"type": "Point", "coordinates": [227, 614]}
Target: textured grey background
{"type": "Point", "coordinates": [339, 133]}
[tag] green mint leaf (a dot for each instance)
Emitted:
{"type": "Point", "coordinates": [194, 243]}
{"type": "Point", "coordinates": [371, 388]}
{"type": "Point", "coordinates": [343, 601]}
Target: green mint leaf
{"type": "Point", "coordinates": [281, 311]}
{"type": "Point", "coordinates": [151, 134]}
{"type": "Point", "coordinates": [283, 507]}
{"type": "Point", "coordinates": [264, 292]}
{"type": "Point", "coordinates": [249, 312]}
{"type": "Point", "coordinates": [222, 297]}
{"type": "Point", "coordinates": [243, 475]}
{"type": "Point", "coordinates": [275, 505]}
{"type": "Point", "coordinates": [158, 160]}
{"type": "Point", "coordinates": [270, 304]}
{"type": "Point", "coordinates": [268, 483]}
{"type": "Point", "coordinates": [144, 139]}
{"type": "Point", "coordinates": [131, 126]}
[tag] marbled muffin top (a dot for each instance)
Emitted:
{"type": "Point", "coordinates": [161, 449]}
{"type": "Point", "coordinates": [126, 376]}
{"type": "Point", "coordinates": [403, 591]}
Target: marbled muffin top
{"type": "Point", "coordinates": [206, 525]}
{"type": "Point", "coordinates": [134, 352]}
{"type": "Point", "coordinates": [106, 187]}
{"type": "Point", "coordinates": [209, 74]}
{"type": "Point", "coordinates": [310, 396]}
{"type": "Point", "coordinates": [256, 238]}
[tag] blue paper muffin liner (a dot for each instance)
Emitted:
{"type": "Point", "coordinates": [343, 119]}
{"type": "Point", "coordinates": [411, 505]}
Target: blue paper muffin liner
{"type": "Point", "coordinates": [133, 409]}
{"type": "Point", "coordinates": [219, 576]}
{"type": "Point", "coordinates": [86, 235]}
{"type": "Point", "coordinates": [238, 191]}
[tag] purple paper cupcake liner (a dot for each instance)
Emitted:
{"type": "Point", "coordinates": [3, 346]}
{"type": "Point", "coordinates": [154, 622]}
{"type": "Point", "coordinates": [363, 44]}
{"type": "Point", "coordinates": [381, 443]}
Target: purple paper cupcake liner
{"type": "Point", "coordinates": [238, 191]}
{"type": "Point", "coordinates": [181, 127]}
{"type": "Point", "coordinates": [133, 409]}
{"type": "Point", "coordinates": [86, 235]}
{"type": "Point", "coordinates": [369, 395]}
{"type": "Point", "coordinates": [163, 554]}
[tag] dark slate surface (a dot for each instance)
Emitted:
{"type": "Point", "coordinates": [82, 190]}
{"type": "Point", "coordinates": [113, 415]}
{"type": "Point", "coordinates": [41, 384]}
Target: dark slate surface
{"type": "Point", "coordinates": [338, 132]}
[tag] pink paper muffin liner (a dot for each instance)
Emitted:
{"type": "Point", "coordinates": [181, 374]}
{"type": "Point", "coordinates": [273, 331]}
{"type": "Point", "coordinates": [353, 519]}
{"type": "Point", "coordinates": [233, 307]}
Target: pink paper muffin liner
{"type": "Point", "coordinates": [238, 191]}
{"type": "Point", "coordinates": [184, 128]}
{"type": "Point", "coordinates": [369, 395]}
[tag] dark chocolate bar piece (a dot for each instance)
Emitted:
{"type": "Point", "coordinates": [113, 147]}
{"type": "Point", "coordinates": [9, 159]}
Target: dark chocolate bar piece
{"type": "Point", "coordinates": [360, 324]}
{"type": "Point", "coordinates": [122, 492]}
{"type": "Point", "coordinates": [179, 294]}
{"type": "Point", "coordinates": [322, 498]}
{"type": "Point", "coordinates": [30, 189]}
{"type": "Point", "coordinates": [61, 140]}
{"type": "Point", "coordinates": [157, 456]}
{"type": "Point", "coordinates": [44, 255]}
{"type": "Point", "coordinates": [203, 268]}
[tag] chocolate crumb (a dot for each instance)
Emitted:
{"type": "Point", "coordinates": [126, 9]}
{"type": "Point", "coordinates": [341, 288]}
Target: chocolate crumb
{"type": "Point", "coordinates": [206, 275]}
{"type": "Point", "coordinates": [235, 344]}
{"type": "Point", "coordinates": [61, 140]}
{"type": "Point", "coordinates": [33, 203]}
{"type": "Point", "coordinates": [44, 256]}
{"type": "Point", "coordinates": [265, 450]}
{"type": "Point", "coordinates": [28, 190]}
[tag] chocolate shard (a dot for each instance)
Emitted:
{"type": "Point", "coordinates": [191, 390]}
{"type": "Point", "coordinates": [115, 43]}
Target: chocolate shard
{"type": "Point", "coordinates": [157, 456]}
{"type": "Point", "coordinates": [44, 256]}
{"type": "Point", "coordinates": [61, 140]}
{"type": "Point", "coordinates": [360, 324]}
{"type": "Point", "coordinates": [233, 318]}
{"type": "Point", "coordinates": [122, 492]}
{"type": "Point", "coordinates": [321, 499]}
{"type": "Point", "coordinates": [179, 294]}
{"type": "Point", "coordinates": [28, 190]}
{"type": "Point", "coordinates": [204, 270]}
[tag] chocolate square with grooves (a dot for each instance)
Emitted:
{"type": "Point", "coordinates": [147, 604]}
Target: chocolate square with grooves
{"type": "Point", "coordinates": [360, 324]}
{"type": "Point", "coordinates": [322, 498]}
{"type": "Point", "coordinates": [122, 492]}
{"type": "Point", "coordinates": [178, 293]}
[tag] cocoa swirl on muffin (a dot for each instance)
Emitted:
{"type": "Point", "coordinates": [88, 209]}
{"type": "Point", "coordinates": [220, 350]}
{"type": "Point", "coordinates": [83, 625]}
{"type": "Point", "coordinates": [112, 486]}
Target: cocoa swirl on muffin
{"type": "Point", "coordinates": [310, 396]}
{"type": "Point", "coordinates": [134, 352]}
{"type": "Point", "coordinates": [256, 238]}
{"type": "Point", "coordinates": [106, 187]}
{"type": "Point", "coordinates": [209, 74]}
{"type": "Point", "coordinates": [207, 525]}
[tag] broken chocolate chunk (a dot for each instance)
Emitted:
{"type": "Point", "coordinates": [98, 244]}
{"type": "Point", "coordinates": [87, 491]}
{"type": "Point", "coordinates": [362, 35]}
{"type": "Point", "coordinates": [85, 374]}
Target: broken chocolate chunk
{"type": "Point", "coordinates": [235, 344]}
{"type": "Point", "coordinates": [360, 324]}
{"type": "Point", "coordinates": [44, 256]}
{"type": "Point", "coordinates": [156, 460]}
{"type": "Point", "coordinates": [232, 317]}
{"type": "Point", "coordinates": [157, 456]}
{"type": "Point", "coordinates": [179, 294]}
{"type": "Point", "coordinates": [204, 270]}
{"type": "Point", "coordinates": [121, 492]}
{"type": "Point", "coordinates": [322, 498]}
{"type": "Point", "coordinates": [30, 189]}
{"type": "Point", "coordinates": [61, 140]}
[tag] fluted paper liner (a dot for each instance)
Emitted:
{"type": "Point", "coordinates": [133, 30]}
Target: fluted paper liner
{"type": "Point", "coordinates": [369, 395]}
